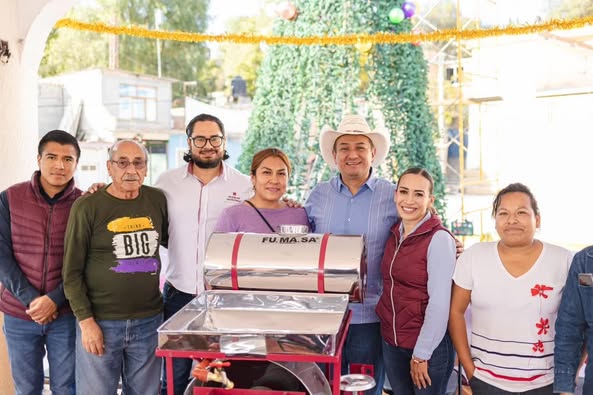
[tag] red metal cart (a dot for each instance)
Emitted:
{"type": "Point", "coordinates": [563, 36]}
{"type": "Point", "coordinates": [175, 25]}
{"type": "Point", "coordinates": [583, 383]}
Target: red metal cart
{"type": "Point", "coordinates": [333, 362]}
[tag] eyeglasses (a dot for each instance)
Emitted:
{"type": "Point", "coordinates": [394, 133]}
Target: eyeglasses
{"type": "Point", "coordinates": [200, 141]}
{"type": "Point", "coordinates": [124, 163]}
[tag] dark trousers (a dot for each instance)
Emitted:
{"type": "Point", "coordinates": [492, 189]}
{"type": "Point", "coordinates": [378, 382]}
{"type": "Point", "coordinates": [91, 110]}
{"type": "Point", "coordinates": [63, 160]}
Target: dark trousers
{"type": "Point", "coordinates": [174, 300]}
{"type": "Point", "coordinates": [440, 366]}
{"type": "Point", "coordinates": [481, 388]}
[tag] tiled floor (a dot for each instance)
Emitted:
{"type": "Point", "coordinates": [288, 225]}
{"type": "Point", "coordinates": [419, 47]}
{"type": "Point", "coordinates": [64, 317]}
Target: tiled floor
{"type": "Point", "coordinates": [579, 390]}
{"type": "Point", "coordinates": [46, 391]}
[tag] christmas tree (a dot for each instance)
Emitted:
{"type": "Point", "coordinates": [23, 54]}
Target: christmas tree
{"type": "Point", "coordinates": [302, 88]}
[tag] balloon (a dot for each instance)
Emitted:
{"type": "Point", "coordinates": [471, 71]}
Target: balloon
{"type": "Point", "coordinates": [409, 9]}
{"type": "Point", "coordinates": [396, 15]}
{"type": "Point", "coordinates": [364, 47]}
{"type": "Point", "coordinates": [287, 10]}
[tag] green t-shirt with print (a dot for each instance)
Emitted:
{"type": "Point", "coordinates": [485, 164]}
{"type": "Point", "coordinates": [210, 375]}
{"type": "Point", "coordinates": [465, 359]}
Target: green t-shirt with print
{"type": "Point", "coordinates": [111, 255]}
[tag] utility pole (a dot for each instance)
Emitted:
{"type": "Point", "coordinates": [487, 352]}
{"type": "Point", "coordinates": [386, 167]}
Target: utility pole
{"type": "Point", "coordinates": [158, 19]}
{"type": "Point", "coordinates": [114, 47]}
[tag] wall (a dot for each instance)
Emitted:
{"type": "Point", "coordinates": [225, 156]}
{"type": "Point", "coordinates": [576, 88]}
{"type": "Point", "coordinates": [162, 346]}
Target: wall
{"type": "Point", "coordinates": [18, 99]}
{"type": "Point", "coordinates": [546, 144]}
{"type": "Point", "coordinates": [51, 107]}
{"type": "Point", "coordinates": [111, 82]}
{"type": "Point", "coordinates": [92, 166]}
{"type": "Point", "coordinates": [530, 122]}
{"type": "Point", "coordinates": [96, 123]}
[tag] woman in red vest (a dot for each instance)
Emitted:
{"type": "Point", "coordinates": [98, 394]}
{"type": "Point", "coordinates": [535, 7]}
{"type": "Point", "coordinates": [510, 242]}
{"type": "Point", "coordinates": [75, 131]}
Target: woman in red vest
{"type": "Point", "coordinates": [417, 267]}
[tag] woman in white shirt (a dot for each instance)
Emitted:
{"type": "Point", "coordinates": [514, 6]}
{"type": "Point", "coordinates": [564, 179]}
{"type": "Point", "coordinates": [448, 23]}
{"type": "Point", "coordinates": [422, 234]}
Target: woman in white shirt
{"type": "Point", "coordinates": [514, 286]}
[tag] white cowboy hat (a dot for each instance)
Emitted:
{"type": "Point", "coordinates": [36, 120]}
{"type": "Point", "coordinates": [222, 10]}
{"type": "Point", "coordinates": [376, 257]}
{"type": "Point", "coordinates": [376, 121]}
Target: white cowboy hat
{"type": "Point", "coordinates": [353, 124]}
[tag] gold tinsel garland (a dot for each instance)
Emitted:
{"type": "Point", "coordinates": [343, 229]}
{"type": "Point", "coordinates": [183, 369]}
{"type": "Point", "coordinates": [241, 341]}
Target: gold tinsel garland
{"type": "Point", "coordinates": [348, 39]}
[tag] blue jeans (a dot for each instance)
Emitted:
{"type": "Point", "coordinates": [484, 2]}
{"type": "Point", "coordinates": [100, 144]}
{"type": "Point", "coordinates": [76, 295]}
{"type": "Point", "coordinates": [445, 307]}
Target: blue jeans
{"type": "Point", "coordinates": [27, 342]}
{"type": "Point", "coordinates": [440, 366]}
{"type": "Point", "coordinates": [130, 347]}
{"type": "Point", "coordinates": [363, 346]}
{"type": "Point", "coordinates": [174, 300]}
{"type": "Point", "coordinates": [481, 388]}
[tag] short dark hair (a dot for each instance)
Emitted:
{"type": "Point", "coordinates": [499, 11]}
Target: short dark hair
{"type": "Point", "coordinates": [190, 128]}
{"type": "Point", "coordinates": [420, 171]}
{"type": "Point", "coordinates": [61, 137]}
{"type": "Point", "coordinates": [203, 118]}
{"type": "Point", "coordinates": [515, 187]}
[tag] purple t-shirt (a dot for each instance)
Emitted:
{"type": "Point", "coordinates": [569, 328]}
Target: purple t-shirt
{"type": "Point", "coordinates": [244, 218]}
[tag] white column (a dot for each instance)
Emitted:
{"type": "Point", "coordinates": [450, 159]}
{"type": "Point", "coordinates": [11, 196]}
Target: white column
{"type": "Point", "coordinates": [15, 152]}
{"type": "Point", "coordinates": [26, 26]}
{"type": "Point", "coordinates": [18, 103]}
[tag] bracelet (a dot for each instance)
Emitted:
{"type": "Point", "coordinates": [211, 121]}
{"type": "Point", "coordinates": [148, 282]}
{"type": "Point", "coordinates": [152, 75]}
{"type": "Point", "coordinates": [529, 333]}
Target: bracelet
{"type": "Point", "coordinates": [416, 360]}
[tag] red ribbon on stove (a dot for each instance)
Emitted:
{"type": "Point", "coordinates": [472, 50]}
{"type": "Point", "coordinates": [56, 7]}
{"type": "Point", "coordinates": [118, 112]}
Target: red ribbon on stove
{"type": "Point", "coordinates": [235, 255]}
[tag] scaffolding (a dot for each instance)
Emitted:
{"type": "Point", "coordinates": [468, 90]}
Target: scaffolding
{"type": "Point", "coordinates": [477, 81]}
{"type": "Point", "coordinates": [447, 67]}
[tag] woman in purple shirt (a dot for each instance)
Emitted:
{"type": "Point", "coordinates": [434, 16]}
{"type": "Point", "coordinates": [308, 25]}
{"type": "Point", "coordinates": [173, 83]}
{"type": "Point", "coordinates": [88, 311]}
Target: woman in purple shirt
{"type": "Point", "coordinates": [265, 211]}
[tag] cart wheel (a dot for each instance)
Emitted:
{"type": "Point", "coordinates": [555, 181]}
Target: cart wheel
{"type": "Point", "coordinates": [305, 377]}
{"type": "Point", "coordinates": [189, 390]}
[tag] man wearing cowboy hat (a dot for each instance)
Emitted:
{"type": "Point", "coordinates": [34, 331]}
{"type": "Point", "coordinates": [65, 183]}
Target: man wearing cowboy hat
{"type": "Point", "coordinates": [357, 202]}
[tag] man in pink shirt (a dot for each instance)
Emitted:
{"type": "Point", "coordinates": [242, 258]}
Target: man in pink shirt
{"type": "Point", "coordinates": [196, 195]}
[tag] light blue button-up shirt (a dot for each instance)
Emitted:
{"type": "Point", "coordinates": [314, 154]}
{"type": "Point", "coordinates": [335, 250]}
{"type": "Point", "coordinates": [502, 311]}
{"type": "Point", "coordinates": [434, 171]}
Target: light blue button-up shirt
{"type": "Point", "coordinates": [371, 212]}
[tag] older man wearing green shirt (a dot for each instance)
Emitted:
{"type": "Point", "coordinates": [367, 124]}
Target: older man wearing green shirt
{"type": "Point", "coordinates": [111, 277]}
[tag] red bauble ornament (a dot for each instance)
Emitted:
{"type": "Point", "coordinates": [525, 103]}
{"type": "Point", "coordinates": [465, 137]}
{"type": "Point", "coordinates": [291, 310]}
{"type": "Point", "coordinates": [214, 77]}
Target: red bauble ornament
{"type": "Point", "coordinates": [287, 10]}
{"type": "Point", "coordinates": [416, 43]}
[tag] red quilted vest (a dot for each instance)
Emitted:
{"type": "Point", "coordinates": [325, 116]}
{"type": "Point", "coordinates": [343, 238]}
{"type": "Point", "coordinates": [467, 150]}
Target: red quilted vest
{"type": "Point", "coordinates": [37, 230]}
{"type": "Point", "coordinates": [404, 300]}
